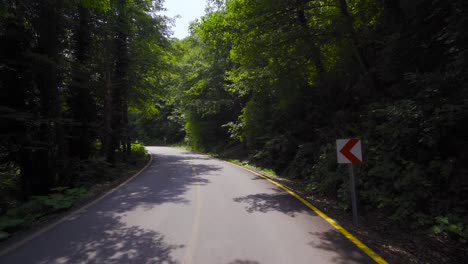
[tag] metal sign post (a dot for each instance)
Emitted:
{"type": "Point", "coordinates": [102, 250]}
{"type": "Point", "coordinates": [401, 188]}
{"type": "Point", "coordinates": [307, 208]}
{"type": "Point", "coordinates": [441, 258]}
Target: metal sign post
{"type": "Point", "coordinates": [349, 152]}
{"type": "Point", "coordinates": [352, 187]}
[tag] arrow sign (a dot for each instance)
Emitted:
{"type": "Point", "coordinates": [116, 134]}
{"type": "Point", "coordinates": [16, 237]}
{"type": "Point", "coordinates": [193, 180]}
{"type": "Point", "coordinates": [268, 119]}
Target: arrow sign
{"type": "Point", "coordinates": [349, 150]}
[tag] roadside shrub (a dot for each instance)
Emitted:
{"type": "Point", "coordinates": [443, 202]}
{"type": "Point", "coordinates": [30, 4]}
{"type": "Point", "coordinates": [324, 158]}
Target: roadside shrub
{"type": "Point", "coordinates": [276, 154]}
{"type": "Point", "coordinates": [138, 150]}
{"type": "Point", "coordinates": [138, 154]}
{"type": "Point", "coordinates": [9, 185]}
{"type": "Point", "coordinates": [328, 178]}
{"type": "Point", "coordinates": [64, 198]}
{"type": "Point", "coordinates": [450, 225]}
{"type": "Point", "coordinates": [301, 166]}
{"type": "Point", "coordinates": [38, 206]}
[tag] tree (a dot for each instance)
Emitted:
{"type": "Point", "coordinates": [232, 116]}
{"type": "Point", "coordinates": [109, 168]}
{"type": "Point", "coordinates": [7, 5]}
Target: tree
{"type": "Point", "coordinates": [300, 74]}
{"type": "Point", "coordinates": [69, 69]}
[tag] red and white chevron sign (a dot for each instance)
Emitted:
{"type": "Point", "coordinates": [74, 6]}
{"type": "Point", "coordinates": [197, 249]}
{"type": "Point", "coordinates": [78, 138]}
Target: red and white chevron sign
{"type": "Point", "coordinates": [349, 150]}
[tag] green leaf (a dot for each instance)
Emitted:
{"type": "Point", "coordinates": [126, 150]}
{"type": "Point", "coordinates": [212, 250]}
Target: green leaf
{"type": "Point", "coordinates": [98, 5]}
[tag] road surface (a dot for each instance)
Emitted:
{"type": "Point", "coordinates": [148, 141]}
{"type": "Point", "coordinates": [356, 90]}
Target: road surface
{"type": "Point", "coordinates": [189, 208]}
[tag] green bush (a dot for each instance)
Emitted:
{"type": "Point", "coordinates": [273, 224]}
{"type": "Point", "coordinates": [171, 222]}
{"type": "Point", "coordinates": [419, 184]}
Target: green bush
{"type": "Point", "coordinates": [25, 214]}
{"type": "Point", "coordinates": [450, 225]}
{"type": "Point", "coordinates": [63, 199]}
{"type": "Point", "coordinates": [275, 154]}
{"type": "Point", "coordinates": [301, 167]}
{"type": "Point", "coordinates": [138, 150]}
{"type": "Point", "coordinates": [9, 223]}
{"type": "Point", "coordinates": [328, 178]}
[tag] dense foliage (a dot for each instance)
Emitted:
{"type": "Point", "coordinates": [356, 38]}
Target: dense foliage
{"type": "Point", "coordinates": [70, 73]}
{"type": "Point", "coordinates": [284, 79]}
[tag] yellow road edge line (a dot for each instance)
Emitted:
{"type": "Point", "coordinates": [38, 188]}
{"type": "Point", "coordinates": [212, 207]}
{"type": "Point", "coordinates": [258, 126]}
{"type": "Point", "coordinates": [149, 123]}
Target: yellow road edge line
{"type": "Point", "coordinates": [374, 256]}
{"type": "Point", "coordinates": [71, 214]}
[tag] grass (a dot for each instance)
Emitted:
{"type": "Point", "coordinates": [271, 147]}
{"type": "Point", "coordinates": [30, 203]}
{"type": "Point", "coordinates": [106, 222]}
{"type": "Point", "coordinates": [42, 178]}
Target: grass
{"type": "Point", "coordinates": [246, 164]}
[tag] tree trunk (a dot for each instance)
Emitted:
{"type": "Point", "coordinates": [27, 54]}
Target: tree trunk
{"type": "Point", "coordinates": [120, 122]}
{"type": "Point", "coordinates": [107, 144]}
{"type": "Point", "coordinates": [359, 52]}
{"type": "Point", "coordinates": [80, 100]}
{"type": "Point", "coordinates": [41, 164]}
{"type": "Point", "coordinates": [394, 15]}
{"type": "Point", "coordinates": [315, 52]}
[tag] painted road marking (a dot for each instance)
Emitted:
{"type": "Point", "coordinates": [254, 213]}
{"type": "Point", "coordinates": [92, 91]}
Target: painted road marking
{"type": "Point", "coordinates": [378, 259]}
{"type": "Point", "coordinates": [73, 215]}
{"type": "Point", "coordinates": [191, 245]}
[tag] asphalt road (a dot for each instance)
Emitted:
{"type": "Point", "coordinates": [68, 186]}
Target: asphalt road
{"type": "Point", "coordinates": [189, 208]}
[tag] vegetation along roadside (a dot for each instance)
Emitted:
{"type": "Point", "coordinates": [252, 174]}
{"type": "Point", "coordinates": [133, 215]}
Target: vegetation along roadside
{"type": "Point", "coordinates": [95, 178]}
{"type": "Point", "coordinates": [393, 243]}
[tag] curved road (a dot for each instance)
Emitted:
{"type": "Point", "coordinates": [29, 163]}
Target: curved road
{"type": "Point", "coordinates": [189, 208]}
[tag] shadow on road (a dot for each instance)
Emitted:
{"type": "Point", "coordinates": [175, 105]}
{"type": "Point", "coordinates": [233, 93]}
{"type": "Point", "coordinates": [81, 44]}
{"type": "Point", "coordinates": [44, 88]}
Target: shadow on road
{"type": "Point", "coordinates": [331, 240]}
{"type": "Point", "coordinates": [167, 180]}
{"type": "Point", "coordinates": [106, 240]}
{"type": "Point", "coordinates": [240, 261]}
{"type": "Point", "coordinates": [335, 242]}
{"type": "Point", "coordinates": [100, 234]}
{"type": "Point", "coordinates": [278, 201]}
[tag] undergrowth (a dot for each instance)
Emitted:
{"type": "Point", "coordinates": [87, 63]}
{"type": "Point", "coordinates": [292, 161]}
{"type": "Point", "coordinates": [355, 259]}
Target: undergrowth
{"type": "Point", "coordinates": [91, 177]}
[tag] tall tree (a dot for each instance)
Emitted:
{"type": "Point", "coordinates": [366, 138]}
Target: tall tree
{"type": "Point", "coordinates": [80, 100]}
{"type": "Point", "coordinates": [69, 69]}
{"type": "Point", "coordinates": [41, 163]}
